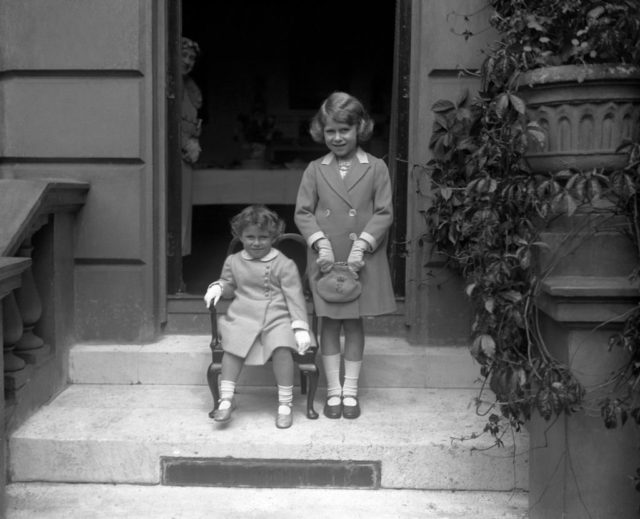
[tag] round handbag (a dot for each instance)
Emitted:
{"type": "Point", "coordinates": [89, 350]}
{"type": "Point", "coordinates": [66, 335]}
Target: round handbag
{"type": "Point", "coordinates": [339, 285]}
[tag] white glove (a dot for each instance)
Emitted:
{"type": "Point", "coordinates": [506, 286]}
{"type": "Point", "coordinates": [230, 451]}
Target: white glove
{"type": "Point", "coordinates": [326, 258]}
{"type": "Point", "coordinates": [303, 340]}
{"type": "Point", "coordinates": [214, 292]}
{"type": "Point", "coordinates": [355, 261]}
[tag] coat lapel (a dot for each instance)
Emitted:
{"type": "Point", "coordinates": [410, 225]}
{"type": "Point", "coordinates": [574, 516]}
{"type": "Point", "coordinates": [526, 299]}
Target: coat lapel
{"type": "Point", "coordinates": [329, 171]}
{"type": "Point", "coordinates": [358, 170]}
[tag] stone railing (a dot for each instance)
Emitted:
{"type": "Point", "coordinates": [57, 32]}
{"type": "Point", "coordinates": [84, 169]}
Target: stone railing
{"type": "Point", "coordinates": [36, 236]}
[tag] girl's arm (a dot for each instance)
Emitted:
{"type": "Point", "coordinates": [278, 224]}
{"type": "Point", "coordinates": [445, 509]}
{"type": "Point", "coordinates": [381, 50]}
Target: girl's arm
{"type": "Point", "coordinates": [291, 286]}
{"type": "Point", "coordinates": [227, 280]}
{"type": "Point", "coordinates": [377, 226]}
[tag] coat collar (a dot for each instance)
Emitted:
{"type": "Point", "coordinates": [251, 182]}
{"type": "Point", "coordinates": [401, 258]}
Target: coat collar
{"type": "Point", "coordinates": [329, 169]}
{"type": "Point", "coordinates": [270, 255]}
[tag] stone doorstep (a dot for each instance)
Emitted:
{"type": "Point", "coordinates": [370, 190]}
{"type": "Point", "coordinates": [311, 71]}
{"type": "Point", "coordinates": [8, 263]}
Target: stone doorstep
{"type": "Point", "coordinates": [183, 359]}
{"type": "Point", "coordinates": [80, 501]}
{"type": "Point", "coordinates": [119, 434]}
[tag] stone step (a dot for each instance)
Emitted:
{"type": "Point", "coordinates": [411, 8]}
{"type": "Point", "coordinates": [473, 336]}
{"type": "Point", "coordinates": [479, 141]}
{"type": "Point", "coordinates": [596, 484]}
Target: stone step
{"type": "Point", "coordinates": [80, 501]}
{"type": "Point", "coordinates": [183, 359]}
{"type": "Point", "coordinates": [130, 434]}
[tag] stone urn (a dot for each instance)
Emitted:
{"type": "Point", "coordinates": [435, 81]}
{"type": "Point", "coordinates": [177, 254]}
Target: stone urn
{"type": "Point", "coordinates": [578, 468]}
{"type": "Point", "coordinates": [586, 112]}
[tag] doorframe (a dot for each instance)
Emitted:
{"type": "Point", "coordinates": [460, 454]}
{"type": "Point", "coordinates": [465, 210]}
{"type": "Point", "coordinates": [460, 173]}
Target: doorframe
{"type": "Point", "coordinates": [174, 157]}
{"type": "Point", "coordinates": [399, 143]}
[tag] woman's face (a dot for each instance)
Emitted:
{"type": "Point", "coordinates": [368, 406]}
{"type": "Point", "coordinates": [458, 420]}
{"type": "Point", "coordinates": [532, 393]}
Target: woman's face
{"type": "Point", "coordinates": [188, 61]}
{"type": "Point", "coordinates": [341, 138]}
{"type": "Point", "coordinates": [257, 242]}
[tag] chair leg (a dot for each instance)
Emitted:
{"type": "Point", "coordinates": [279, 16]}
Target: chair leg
{"type": "Point", "coordinates": [213, 373]}
{"type": "Point", "coordinates": [311, 377]}
{"type": "Point", "coordinates": [303, 383]}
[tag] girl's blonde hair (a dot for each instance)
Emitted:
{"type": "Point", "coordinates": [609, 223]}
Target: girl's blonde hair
{"type": "Point", "coordinates": [342, 108]}
{"type": "Point", "coordinates": [259, 215]}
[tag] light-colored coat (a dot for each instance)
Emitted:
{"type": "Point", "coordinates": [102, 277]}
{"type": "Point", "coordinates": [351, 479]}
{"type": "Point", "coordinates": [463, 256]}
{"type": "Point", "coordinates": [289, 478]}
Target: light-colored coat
{"type": "Point", "coordinates": [268, 304]}
{"type": "Point", "coordinates": [360, 206]}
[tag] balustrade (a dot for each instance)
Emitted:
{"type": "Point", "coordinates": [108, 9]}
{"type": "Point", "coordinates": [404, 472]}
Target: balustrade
{"type": "Point", "coordinates": [33, 206]}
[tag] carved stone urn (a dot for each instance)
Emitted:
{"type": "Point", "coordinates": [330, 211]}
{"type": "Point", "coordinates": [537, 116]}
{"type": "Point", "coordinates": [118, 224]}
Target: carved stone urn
{"type": "Point", "coordinates": [586, 111]}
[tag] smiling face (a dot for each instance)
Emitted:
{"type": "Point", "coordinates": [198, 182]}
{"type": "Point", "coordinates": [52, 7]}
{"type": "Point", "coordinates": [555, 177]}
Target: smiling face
{"type": "Point", "coordinates": [188, 60]}
{"type": "Point", "coordinates": [341, 138]}
{"type": "Point", "coordinates": [257, 242]}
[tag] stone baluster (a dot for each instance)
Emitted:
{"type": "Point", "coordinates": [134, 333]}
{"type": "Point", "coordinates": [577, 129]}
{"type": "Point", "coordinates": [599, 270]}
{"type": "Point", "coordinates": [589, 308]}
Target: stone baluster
{"type": "Point", "coordinates": [14, 367]}
{"type": "Point", "coordinates": [30, 347]}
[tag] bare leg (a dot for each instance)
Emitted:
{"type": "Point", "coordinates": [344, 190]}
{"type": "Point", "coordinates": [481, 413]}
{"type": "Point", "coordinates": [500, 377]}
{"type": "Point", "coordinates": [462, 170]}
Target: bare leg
{"type": "Point", "coordinates": [330, 337]}
{"type": "Point", "coordinates": [231, 366]}
{"type": "Point", "coordinates": [353, 339]}
{"type": "Point", "coordinates": [283, 367]}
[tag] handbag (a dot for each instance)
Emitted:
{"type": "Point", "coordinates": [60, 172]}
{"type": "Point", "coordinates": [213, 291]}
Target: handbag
{"type": "Point", "coordinates": [339, 285]}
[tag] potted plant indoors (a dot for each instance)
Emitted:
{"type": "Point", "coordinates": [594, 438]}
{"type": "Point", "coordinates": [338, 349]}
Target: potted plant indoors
{"type": "Point", "coordinates": [534, 197]}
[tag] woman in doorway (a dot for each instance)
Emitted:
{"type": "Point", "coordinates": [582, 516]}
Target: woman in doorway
{"type": "Point", "coordinates": [190, 128]}
{"type": "Point", "coordinates": [344, 211]}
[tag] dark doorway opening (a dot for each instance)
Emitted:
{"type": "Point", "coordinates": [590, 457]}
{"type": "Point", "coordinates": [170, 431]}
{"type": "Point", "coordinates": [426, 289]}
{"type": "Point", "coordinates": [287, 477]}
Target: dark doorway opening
{"type": "Point", "coordinates": [283, 57]}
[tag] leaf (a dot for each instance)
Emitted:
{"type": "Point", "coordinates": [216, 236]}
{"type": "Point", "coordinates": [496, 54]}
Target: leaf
{"type": "Point", "coordinates": [512, 295]}
{"type": "Point", "coordinates": [489, 305]}
{"type": "Point", "coordinates": [537, 134]}
{"type": "Point", "coordinates": [501, 104]}
{"type": "Point", "coordinates": [517, 103]}
{"type": "Point", "coordinates": [595, 12]}
{"type": "Point", "coordinates": [469, 289]}
{"type": "Point", "coordinates": [487, 345]}
{"type": "Point", "coordinates": [442, 105]}
{"type": "Point", "coordinates": [446, 192]}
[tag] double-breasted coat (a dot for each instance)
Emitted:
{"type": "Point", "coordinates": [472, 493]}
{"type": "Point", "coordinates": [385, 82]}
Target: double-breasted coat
{"type": "Point", "coordinates": [342, 210]}
{"type": "Point", "coordinates": [268, 304]}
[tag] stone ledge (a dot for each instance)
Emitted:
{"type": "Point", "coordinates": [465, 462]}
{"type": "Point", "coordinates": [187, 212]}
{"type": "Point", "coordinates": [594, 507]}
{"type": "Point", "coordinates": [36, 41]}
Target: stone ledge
{"type": "Point", "coordinates": [588, 299]}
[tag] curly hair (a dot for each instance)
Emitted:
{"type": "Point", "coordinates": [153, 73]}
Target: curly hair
{"type": "Point", "coordinates": [342, 108]}
{"type": "Point", "coordinates": [259, 215]}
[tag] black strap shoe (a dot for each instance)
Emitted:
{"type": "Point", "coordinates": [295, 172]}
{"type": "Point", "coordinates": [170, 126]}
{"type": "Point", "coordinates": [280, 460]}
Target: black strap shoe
{"type": "Point", "coordinates": [332, 411]}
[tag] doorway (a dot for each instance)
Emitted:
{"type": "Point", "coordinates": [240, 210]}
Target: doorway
{"type": "Point", "coordinates": [278, 61]}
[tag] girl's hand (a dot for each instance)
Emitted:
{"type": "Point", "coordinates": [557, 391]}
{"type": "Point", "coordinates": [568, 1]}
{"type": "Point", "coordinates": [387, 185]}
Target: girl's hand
{"type": "Point", "coordinates": [303, 340]}
{"type": "Point", "coordinates": [355, 261]}
{"type": "Point", "coordinates": [214, 292]}
{"type": "Point", "coordinates": [326, 259]}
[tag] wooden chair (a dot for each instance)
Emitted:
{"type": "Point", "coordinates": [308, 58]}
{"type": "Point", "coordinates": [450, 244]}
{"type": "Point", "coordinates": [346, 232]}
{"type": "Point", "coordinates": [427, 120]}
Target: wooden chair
{"type": "Point", "coordinates": [293, 246]}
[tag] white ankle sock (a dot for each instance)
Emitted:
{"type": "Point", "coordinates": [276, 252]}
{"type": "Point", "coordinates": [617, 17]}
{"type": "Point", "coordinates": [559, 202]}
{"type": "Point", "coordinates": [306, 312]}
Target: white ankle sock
{"type": "Point", "coordinates": [331, 365]}
{"type": "Point", "coordinates": [285, 399]}
{"type": "Point", "coordinates": [227, 390]}
{"type": "Point", "coordinates": [351, 376]}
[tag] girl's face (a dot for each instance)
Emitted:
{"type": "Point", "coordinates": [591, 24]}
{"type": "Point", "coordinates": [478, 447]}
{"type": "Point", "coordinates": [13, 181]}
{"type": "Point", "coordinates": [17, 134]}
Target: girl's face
{"type": "Point", "coordinates": [256, 241]}
{"type": "Point", "coordinates": [341, 138]}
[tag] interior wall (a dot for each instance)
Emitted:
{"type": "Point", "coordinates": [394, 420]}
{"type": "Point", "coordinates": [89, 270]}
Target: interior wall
{"type": "Point", "coordinates": [292, 54]}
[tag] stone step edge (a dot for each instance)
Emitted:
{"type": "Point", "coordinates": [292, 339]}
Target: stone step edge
{"type": "Point", "coordinates": [183, 359]}
{"type": "Point", "coordinates": [81, 500]}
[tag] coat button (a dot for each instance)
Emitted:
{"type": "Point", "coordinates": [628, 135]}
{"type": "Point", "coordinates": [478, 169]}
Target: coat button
{"type": "Point", "coordinates": [353, 236]}
{"type": "Point", "coordinates": [352, 212]}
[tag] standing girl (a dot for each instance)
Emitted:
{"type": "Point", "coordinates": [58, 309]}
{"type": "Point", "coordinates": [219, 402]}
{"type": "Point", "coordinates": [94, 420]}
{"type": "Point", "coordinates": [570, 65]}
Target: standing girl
{"type": "Point", "coordinates": [344, 211]}
{"type": "Point", "coordinates": [267, 318]}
